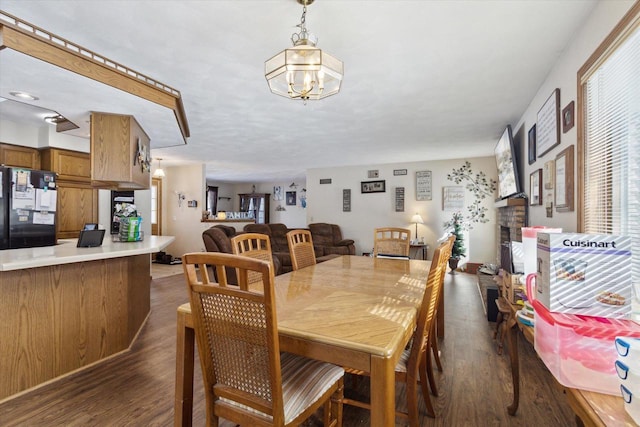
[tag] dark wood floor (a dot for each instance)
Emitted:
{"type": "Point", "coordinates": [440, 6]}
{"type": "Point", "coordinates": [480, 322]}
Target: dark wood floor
{"type": "Point", "coordinates": [137, 388]}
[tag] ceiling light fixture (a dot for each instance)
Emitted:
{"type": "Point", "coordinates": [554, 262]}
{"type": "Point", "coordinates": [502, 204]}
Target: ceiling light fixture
{"type": "Point", "coordinates": [159, 173]}
{"type": "Point", "coordinates": [304, 71]}
{"type": "Point", "coordinates": [24, 95]}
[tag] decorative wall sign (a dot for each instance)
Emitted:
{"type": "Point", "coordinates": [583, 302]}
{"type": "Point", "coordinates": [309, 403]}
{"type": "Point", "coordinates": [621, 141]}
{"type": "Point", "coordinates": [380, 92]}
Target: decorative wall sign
{"type": "Point", "coordinates": [548, 174]}
{"type": "Point", "coordinates": [423, 185]}
{"type": "Point", "coordinates": [325, 181]}
{"type": "Point", "coordinates": [564, 180]}
{"type": "Point", "coordinates": [346, 200]}
{"type": "Point", "coordinates": [397, 172]}
{"type": "Point", "coordinates": [535, 188]}
{"type": "Point", "coordinates": [548, 124]}
{"type": "Point", "coordinates": [399, 199]}
{"type": "Point", "coordinates": [567, 117]}
{"type": "Point", "coordinates": [291, 198]}
{"type": "Point", "coordinates": [452, 198]}
{"type": "Point", "coordinates": [532, 144]}
{"type": "Point", "coordinates": [372, 174]}
{"type": "Point", "coordinates": [372, 187]}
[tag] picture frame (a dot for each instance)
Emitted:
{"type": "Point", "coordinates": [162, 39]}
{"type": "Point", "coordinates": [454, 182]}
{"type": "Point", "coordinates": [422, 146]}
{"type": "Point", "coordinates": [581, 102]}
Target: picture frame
{"type": "Point", "coordinates": [532, 144]}
{"type": "Point", "coordinates": [278, 193]}
{"type": "Point", "coordinates": [424, 182]}
{"type": "Point", "coordinates": [397, 172]}
{"type": "Point", "coordinates": [535, 188]}
{"type": "Point", "coordinates": [373, 187]}
{"type": "Point", "coordinates": [548, 124]}
{"type": "Point", "coordinates": [564, 180]}
{"type": "Point", "coordinates": [548, 175]}
{"type": "Point", "coordinates": [567, 117]}
{"type": "Point", "coordinates": [399, 199]}
{"type": "Point", "coordinates": [452, 198]}
{"type": "Point", "coordinates": [291, 198]}
{"type": "Point", "coordinates": [374, 173]}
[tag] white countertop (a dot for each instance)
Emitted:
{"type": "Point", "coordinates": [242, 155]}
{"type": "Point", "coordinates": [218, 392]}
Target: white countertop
{"type": "Point", "coordinates": [66, 252]}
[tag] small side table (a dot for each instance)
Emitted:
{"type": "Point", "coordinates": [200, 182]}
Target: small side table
{"type": "Point", "coordinates": [420, 247]}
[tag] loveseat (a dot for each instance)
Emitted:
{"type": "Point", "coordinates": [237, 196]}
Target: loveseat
{"type": "Point", "coordinates": [279, 246]}
{"type": "Point", "coordinates": [327, 240]}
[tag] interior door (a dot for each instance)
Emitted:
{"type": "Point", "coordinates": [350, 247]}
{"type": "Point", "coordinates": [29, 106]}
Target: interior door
{"type": "Point", "coordinates": [156, 206]}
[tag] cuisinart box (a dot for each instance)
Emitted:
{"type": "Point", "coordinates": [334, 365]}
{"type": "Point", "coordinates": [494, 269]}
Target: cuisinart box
{"type": "Point", "coordinates": [587, 274]}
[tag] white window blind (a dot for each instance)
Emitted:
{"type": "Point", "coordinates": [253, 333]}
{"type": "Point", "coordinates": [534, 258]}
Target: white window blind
{"type": "Point", "coordinates": [612, 146]}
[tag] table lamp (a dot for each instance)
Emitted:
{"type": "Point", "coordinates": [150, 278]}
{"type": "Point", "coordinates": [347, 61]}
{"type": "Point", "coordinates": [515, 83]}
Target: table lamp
{"type": "Point", "coordinates": [417, 219]}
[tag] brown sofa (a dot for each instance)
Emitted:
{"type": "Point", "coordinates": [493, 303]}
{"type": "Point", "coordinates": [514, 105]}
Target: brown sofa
{"type": "Point", "coordinates": [327, 240]}
{"type": "Point", "coordinates": [218, 239]}
{"type": "Point", "coordinates": [330, 243]}
{"type": "Point", "coordinates": [279, 246]}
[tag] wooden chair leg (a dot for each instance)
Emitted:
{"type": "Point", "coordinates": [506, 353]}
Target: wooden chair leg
{"type": "Point", "coordinates": [436, 351]}
{"type": "Point", "coordinates": [412, 403]}
{"type": "Point", "coordinates": [425, 390]}
{"type": "Point", "coordinates": [428, 368]}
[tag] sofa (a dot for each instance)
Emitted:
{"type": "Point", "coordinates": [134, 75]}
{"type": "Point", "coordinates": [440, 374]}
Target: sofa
{"type": "Point", "coordinates": [327, 240]}
{"type": "Point", "coordinates": [330, 243]}
{"type": "Point", "coordinates": [218, 239]}
{"type": "Point", "coordinates": [279, 245]}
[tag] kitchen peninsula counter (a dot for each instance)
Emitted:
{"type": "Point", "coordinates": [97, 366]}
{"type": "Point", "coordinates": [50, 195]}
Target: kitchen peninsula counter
{"type": "Point", "coordinates": [64, 308]}
{"type": "Point", "coordinates": [66, 252]}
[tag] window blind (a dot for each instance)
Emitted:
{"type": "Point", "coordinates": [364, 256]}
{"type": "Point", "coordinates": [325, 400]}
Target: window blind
{"type": "Point", "coordinates": [611, 193]}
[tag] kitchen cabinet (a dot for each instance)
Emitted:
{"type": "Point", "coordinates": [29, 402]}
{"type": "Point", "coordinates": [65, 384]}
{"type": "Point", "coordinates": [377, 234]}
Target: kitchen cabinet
{"type": "Point", "coordinates": [77, 198]}
{"type": "Point", "coordinates": [77, 205]}
{"type": "Point", "coordinates": [70, 165]}
{"type": "Point", "coordinates": [16, 155]}
{"type": "Point", "coordinates": [120, 152]}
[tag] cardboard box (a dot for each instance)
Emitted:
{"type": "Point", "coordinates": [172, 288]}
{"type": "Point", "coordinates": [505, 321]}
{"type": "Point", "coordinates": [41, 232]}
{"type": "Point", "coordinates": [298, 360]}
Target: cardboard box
{"type": "Point", "coordinates": [588, 274]}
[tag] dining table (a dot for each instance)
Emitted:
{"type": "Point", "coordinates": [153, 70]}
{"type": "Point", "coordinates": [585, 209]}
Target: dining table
{"type": "Point", "coordinates": [353, 311]}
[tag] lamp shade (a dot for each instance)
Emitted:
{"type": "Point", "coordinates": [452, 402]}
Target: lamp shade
{"type": "Point", "coordinates": [417, 219]}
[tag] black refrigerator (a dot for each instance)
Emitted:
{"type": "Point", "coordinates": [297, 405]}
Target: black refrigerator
{"type": "Point", "coordinates": [28, 200]}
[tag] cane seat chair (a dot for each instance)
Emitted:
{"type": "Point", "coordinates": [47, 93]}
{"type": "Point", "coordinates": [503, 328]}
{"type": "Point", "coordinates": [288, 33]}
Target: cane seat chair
{"type": "Point", "coordinates": [412, 363]}
{"type": "Point", "coordinates": [391, 241]}
{"type": "Point", "coordinates": [301, 249]}
{"type": "Point", "coordinates": [253, 245]}
{"type": "Point", "coordinates": [246, 379]}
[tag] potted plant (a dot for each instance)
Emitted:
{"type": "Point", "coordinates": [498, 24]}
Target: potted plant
{"type": "Point", "coordinates": [458, 250]}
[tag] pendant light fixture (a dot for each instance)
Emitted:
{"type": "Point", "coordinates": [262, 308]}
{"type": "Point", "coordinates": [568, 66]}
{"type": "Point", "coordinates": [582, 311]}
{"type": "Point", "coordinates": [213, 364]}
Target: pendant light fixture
{"type": "Point", "coordinates": [159, 173]}
{"type": "Point", "coordinates": [304, 71]}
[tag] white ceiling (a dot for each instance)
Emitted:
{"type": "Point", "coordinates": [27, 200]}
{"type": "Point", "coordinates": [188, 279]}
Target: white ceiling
{"type": "Point", "coordinates": [424, 80]}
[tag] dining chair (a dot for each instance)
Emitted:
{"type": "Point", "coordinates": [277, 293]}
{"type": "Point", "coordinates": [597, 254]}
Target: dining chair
{"type": "Point", "coordinates": [433, 344]}
{"type": "Point", "coordinates": [246, 379]}
{"type": "Point", "coordinates": [253, 245]}
{"type": "Point", "coordinates": [301, 249]}
{"type": "Point", "coordinates": [412, 363]}
{"type": "Point", "coordinates": [391, 241]}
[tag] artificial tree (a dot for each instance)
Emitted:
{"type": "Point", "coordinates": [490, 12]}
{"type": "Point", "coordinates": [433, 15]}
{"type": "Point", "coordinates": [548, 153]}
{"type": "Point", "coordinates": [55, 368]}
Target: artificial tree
{"type": "Point", "coordinates": [458, 250]}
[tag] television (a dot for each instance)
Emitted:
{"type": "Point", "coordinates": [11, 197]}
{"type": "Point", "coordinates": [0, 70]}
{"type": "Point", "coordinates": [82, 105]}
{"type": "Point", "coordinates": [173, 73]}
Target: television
{"type": "Point", "coordinates": [508, 180]}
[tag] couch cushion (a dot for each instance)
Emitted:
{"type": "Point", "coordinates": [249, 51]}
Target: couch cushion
{"type": "Point", "coordinates": [279, 238]}
{"type": "Point", "coordinates": [258, 228]}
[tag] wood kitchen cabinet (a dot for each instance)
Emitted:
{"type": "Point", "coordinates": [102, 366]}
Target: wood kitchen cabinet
{"type": "Point", "coordinates": [120, 152]}
{"type": "Point", "coordinates": [77, 205]}
{"type": "Point", "coordinates": [18, 156]}
{"type": "Point", "coordinates": [70, 165]}
{"type": "Point", "coordinates": [77, 198]}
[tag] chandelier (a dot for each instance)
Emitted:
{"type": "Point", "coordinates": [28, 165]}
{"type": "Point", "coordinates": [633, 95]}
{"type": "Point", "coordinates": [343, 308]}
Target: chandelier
{"type": "Point", "coordinates": [304, 71]}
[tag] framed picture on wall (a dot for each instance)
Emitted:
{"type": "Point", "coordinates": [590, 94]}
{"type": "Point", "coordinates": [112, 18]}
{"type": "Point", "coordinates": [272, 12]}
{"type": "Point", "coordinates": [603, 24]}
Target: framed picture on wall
{"type": "Point", "coordinates": [548, 124]}
{"type": "Point", "coordinates": [372, 187]}
{"type": "Point", "coordinates": [291, 198]}
{"type": "Point", "coordinates": [564, 180]}
{"type": "Point", "coordinates": [532, 144]}
{"type": "Point", "coordinates": [535, 188]}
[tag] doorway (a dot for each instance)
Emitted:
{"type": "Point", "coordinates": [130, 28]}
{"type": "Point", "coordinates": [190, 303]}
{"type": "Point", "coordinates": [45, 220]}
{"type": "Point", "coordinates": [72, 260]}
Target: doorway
{"type": "Point", "coordinates": [156, 206]}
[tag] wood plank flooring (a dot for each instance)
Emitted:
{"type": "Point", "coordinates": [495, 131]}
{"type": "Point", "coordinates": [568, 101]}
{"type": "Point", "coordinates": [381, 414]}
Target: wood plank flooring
{"type": "Point", "coordinates": [137, 388]}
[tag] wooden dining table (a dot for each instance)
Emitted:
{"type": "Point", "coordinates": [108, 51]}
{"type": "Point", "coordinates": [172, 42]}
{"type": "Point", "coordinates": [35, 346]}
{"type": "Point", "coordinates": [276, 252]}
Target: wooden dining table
{"type": "Point", "coordinates": [354, 311]}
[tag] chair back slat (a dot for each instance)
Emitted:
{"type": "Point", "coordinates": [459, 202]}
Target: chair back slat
{"type": "Point", "coordinates": [391, 241]}
{"type": "Point", "coordinates": [236, 332]}
{"type": "Point", "coordinates": [301, 249]}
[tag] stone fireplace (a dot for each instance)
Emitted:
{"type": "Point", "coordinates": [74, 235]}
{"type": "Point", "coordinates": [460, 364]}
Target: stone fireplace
{"type": "Point", "coordinates": [511, 217]}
